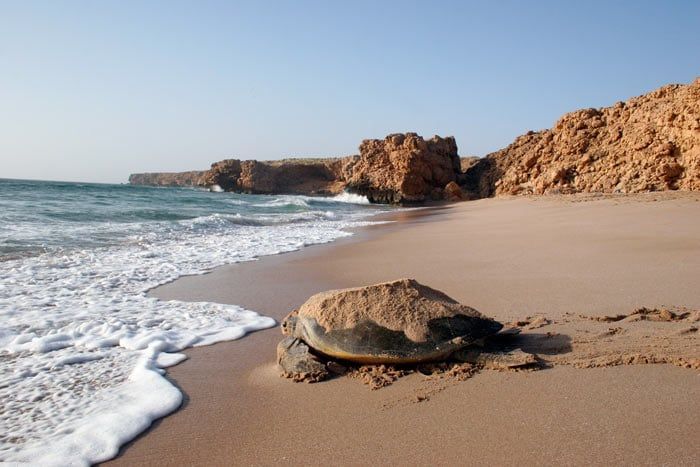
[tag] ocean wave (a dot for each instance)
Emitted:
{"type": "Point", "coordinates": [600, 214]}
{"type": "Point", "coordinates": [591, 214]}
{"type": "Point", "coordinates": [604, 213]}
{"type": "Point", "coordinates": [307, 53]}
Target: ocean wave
{"type": "Point", "coordinates": [285, 200]}
{"type": "Point", "coordinates": [309, 202]}
{"type": "Point", "coordinates": [233, 220]}
{"type": "Point", "coordinates": [83, 347]}
{"type": "Point", "coordinates": [351, 198]}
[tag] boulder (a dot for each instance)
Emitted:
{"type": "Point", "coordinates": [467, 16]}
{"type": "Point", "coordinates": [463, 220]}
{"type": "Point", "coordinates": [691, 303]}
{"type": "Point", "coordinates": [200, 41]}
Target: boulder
{"type": "Point", "coordinates": [453, 192]}
{"type": "Point", "coordinates": [403, 168]}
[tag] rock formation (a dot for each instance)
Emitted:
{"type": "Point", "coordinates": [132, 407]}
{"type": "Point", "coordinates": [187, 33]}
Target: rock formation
{"type": "Point", "coordinates": [167, 178]}
{"type": "Point", "coordinates": [467, 162]}
{"type": "Point", "coordinates": [288, 176]}
{"type": "Point", "coordinates": [404, 168]}
{"type": "Point", "coordinates": [648, 143]}
{"type": "Point", "coordinates": [398, 169]}
{"type": "Point", "coordinates": [453, 192]}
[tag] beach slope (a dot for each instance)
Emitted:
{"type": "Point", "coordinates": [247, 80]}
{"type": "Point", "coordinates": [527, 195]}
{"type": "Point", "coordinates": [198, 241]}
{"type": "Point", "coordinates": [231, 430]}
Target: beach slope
{"type": "Point", "coordinates": [549, 263]}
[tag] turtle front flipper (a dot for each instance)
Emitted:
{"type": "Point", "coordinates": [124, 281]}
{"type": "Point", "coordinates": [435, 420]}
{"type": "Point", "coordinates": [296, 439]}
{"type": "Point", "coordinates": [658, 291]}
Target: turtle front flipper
{"type": "Point", "coordinates": [496, 360]}
{"type": "Point", "coordinates": [298, 363]}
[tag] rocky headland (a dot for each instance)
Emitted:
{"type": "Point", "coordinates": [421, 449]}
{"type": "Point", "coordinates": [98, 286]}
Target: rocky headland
{"type": "Point", "coordinates": [401, 168]}
{"type": "Point", "coordinates": [648, 143]}
{"type": "Point", "coordinates": [287, 176]}
{"type": "Point", "coordinates": [191, 178]}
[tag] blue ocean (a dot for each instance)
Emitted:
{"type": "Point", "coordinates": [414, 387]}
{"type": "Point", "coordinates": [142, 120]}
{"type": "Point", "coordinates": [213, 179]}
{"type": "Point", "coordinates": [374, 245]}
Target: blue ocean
{"type": "Point", "coordinates": [83, 349]}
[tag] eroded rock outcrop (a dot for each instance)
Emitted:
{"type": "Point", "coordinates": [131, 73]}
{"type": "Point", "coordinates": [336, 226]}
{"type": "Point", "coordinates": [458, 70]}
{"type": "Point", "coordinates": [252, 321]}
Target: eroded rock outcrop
{"type": "Point", "coordinates": [453, 192]}
{"type": "Point", "coordinates": [289, 176]}
{"type": "Point", "coordinates": [404, 168]}
{"type": "Point", "coordinates": [649, 143]}
{"type": "Point", "coordinates": [188, 179]}
{"type": "Point", "coordinates": [467, 162]}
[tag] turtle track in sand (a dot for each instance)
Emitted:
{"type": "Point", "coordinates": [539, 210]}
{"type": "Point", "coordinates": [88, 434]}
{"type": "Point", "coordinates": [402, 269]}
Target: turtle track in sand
{"type": "Point", "coordinates": [643, 336]}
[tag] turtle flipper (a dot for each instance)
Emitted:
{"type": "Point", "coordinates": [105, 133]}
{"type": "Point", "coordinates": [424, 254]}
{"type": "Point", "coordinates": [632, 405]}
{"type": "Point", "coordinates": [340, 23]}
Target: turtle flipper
{"type": "Point", "coordinates": [496, 360]}
{"type": "Point", "coordinates": [298, 363]}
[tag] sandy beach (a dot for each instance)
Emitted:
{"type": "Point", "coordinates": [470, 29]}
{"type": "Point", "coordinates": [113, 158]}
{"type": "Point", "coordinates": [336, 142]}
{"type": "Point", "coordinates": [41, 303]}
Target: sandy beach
{"type": "Point", "coordinates": [350, 233]}
{"type": "Point", "coordinates": [550, 263]}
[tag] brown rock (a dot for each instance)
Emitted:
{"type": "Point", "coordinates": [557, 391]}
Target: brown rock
{"type": "Point", "coordinates": [187, 179]}
{"type": "Point", "coordinates": [223, 173]}
{"type": "Point", "coordinates": [400, 168]}
{"type": "Point", "coordinates": [403, 168]}
{"type": "Point", "coordinates": [453, 192]}
{"type": "Point", "coordinates": [467, 162]}
{"type": "Point", "coordinates": [648, 143]}
{"type": "Point", "coordinates": [287, 176]}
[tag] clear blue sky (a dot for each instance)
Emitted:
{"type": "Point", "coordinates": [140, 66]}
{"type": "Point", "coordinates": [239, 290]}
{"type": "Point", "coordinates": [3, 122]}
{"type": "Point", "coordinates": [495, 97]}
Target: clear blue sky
{"type": "Point", "coordinates": [94, 90]}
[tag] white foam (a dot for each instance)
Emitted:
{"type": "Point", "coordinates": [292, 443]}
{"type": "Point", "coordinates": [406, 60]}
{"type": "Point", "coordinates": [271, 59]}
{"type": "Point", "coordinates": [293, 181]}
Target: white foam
{"type": "Point", "coordinates": [285, 200]}
{"type": "Point", "coordinates": [303, 201]}
{"type": "Point", "coordinates": [82, 346]}
{"type": "Point", "coordinates": [116, 416]}
{"type": "Point", "coordinates": [352, 198]}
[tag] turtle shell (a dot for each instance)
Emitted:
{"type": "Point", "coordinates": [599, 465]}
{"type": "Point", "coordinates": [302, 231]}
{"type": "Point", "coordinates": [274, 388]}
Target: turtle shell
{"type": "Point", "coordinates": [393, 322]}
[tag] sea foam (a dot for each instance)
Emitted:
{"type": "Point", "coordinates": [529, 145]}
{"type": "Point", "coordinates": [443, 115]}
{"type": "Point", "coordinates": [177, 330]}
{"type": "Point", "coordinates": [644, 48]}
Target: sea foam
{"type": "Point", "coordinates": [352, 198]}
{"type": "Point", "coordinates": [83, 347]}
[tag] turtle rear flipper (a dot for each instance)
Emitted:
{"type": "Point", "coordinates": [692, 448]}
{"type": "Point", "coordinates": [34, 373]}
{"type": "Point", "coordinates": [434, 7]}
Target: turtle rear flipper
{"type": "Point", "coordinates": [298, 363]}
{"type": "Point", "coordinates": [496, 360]}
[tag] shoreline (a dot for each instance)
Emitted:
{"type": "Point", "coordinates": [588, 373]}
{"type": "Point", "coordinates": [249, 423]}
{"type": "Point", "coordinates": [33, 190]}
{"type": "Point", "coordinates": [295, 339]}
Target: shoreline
{"type": "Point", "coordinates": [381, 223]}
{"type": "Point", "coordinates": [234, 398]}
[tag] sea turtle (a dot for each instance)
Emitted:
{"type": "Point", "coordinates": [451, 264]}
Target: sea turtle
{"type": "Point", "coordinates": [400, 322]}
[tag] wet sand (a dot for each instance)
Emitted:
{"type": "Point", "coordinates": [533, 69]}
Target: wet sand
{"type": "Point", "coordinates": [509, 258]}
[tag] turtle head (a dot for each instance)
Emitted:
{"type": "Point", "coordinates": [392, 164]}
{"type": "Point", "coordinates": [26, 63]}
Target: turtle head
{"type": "Point", "coordinates": [289, 324]}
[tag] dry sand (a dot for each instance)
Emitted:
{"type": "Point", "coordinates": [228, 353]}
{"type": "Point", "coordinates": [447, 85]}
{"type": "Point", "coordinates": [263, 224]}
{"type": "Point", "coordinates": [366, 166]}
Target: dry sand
{"type": "Point", "coordinates": [545, 264]}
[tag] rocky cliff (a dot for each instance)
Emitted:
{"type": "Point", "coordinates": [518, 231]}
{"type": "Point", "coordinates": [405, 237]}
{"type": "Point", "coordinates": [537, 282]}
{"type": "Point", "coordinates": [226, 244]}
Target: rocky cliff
{"type": "Point", "coordinates": [404, 168]}
{"type": "Point", "coordinates": [167, 178]}
{"type": "Point", "coordinates": [648, 143]}
{"type": "Point", "coordinates": [288, 176]}
{"type": "Point", "coordinates": [401, 168]}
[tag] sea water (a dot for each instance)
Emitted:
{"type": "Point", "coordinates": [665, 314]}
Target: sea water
{"type": "Point", "coordinates": [83, 348]}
